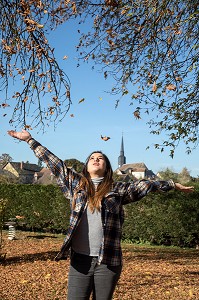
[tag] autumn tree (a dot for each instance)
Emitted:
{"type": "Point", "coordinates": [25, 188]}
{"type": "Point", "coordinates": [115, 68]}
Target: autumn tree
{"type": "Point", "coordinates": [75, 164]}
{"type": "Point", "coordinates": [149, 47]}
{"type": "Point", "coordinates": [184, 176]}
{"type": "Point", "coordinates": [5, 158]}
{"type": "Point", "coordinates": [42, 91]}
{"type": "Point", "coordinates": [168, 173]}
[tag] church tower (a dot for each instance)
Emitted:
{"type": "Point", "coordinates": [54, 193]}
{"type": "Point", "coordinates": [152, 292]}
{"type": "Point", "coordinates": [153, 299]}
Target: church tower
{"type": "Point", "coordinates": [121, 158]}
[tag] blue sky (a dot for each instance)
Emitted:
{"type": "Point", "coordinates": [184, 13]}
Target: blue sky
{"type": "Point", "coordinates": [76, 137]}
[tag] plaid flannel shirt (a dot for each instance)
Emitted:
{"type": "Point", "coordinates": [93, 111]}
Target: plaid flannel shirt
{"type": "Point", "coordinates": [112, 212]}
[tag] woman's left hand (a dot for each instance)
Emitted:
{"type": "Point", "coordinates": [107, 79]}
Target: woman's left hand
{"type": "Point", "coordinates": [182, 188]}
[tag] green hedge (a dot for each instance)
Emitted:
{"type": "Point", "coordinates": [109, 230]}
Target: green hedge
{"type": "Point", "coordinates": [44, 208]}
{"type": "Point", "coordinates": [162, 218]}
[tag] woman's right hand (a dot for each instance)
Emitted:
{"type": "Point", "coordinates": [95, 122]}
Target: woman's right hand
{"type": "Point", "coordinates": [23, 135]}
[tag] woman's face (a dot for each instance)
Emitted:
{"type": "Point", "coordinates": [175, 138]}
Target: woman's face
{"type": "Point", "coordinates": [96, 165]}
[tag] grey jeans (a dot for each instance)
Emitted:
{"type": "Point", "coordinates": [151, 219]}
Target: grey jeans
{"type": "Point", "coordinates": [86, 277]}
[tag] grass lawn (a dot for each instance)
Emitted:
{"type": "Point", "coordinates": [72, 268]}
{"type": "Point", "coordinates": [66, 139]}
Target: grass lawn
{"type": "Point", "coordinates": [30, 272]}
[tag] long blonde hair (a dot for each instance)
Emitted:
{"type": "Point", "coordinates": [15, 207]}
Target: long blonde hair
{"type": "Point", "coordinates": [95, 195]}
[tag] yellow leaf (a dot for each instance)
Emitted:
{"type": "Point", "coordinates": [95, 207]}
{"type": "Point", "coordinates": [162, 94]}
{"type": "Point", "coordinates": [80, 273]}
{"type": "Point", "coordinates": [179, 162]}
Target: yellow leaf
{"type": "Point", "coordinates": [191, 293]}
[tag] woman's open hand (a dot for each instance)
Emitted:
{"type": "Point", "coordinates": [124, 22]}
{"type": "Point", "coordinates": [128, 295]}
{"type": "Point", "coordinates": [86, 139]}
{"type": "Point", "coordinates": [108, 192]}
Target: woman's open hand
{"type": "Point", "coordinates": [182, 188]}
{"type": "Point", "coordinates": [23, 135]}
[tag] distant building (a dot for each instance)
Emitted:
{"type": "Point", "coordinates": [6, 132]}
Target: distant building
{"type": "Point", "coordinates": [23, 172]}
{"type": "Point", "coordinates": [45, 177]}
{"type": "Point", "coordinates": [134, 170]}
{"type": "Point", "coordinates": [121, 158]}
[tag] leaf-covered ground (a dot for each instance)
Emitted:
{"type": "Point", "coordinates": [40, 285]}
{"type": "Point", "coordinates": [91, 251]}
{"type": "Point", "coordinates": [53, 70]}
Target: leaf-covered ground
{"type": "Point", "coordinates": [30, 272]}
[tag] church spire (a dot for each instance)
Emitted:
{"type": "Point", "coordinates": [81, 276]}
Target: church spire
{"type": "Point", "coordinates": [121, 158]}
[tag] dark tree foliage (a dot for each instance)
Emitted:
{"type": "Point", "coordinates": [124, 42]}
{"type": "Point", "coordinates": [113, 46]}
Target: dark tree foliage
{"type": "Point", "coordinates": [75, 164]}
{"type": "Point", "coordinates": [26, 57]}
{"type": "Point", "coordinates": [5, 158]}
{"type": "Point", "coordinates": [149, 47]}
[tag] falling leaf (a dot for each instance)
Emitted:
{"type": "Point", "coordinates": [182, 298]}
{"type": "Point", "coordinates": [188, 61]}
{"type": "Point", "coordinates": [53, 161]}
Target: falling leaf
{"type": "Point", "coordinates": [65, 57]}
{"type": "Point", "coordinates": [41, 75]}
{"type": "Point", "coordinates": [27, 127]}
{"type": "Point", "coordinates": [4, 105]}
{"type": "Point", "coordinates": [171, 87]}
{"type": "Point", "coordinates": [105, 138]}
{"type": "Point", "coordinates": [137, 114]}
{"type": "Point", "coordinates": [72, 116]}
{"type": "Point", "coordinates": [81, 100]}
{"type": "Point", "coordinates": [4, 115]}
{"type": "Point", "coordinates": [154, 88]}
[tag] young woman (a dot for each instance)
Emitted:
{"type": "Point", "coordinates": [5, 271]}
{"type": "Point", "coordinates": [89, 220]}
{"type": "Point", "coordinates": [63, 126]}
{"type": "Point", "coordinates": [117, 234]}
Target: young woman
{"type": "Point", "coordinates": [95, 230]}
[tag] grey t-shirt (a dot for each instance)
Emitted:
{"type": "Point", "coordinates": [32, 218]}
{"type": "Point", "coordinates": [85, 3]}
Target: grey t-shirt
{"type": "Point", "coordinates": [89, 233]}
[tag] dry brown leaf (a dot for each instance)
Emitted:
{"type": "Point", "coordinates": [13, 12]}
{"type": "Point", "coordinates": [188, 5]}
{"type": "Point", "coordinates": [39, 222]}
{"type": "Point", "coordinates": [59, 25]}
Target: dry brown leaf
{"type": "Point", "coordinates": [145, 276]}
{"type": "Point", "coordinates": [40, 26]}
{"type": "Point", "coordinates": [105, 138]}
{"type": "Point", "coordinates": [4, 105]}
{"type": "Point", "coordinates": [154, 87]}
{"type": "Point", "coordinates": [25, 99]}
{"type": "Point", "coordinates": [27, 127]}
{"type": "Point", "coordinates": [171, 87]}
{"type": "Point", "coordinates": [81, 100]}
{"type": "Point", "coordinates": [137, 114]}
